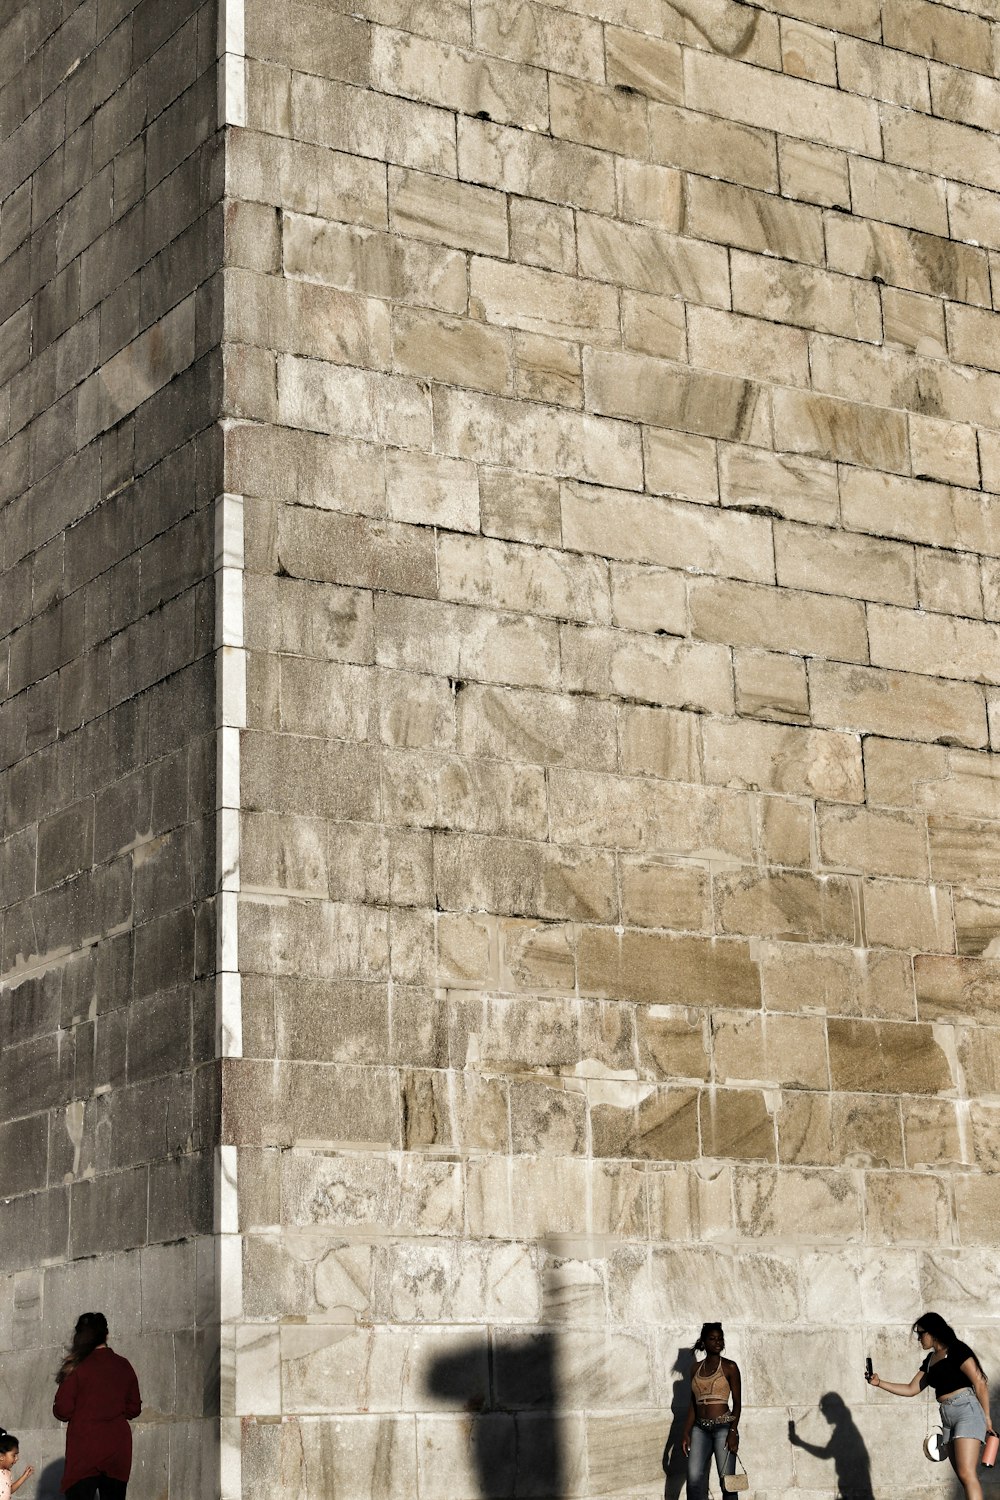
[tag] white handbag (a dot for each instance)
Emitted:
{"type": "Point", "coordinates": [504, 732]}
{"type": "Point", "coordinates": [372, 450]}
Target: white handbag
{"type": "Point", "coordinates": [732, 1484]}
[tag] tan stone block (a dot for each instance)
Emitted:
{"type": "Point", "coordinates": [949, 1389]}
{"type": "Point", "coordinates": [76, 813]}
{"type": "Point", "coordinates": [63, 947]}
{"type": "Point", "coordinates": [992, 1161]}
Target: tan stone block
{"type": "Point", "coordinates": [415, 712]}
{"type": "Point", "coordinates": [671, 1042]}
{"type": "Point", "coordinates": [952, 989]}
{"type": "Point", "coordinates": [522, 878]}
{"type": "Point", "coordinates": [947, 149]}
{"type": "Point", "coordinates": [972, 334]}
{"type": "Point", "coordinates": [288, 773]}
{"type": "Point", "coordinates": [901, 915]}
{"type": "Point", "coordinates": [662, 1125]}
{"type": "Point", "coordinates": [907, 258]}
{"type": "Point", "coordinates": [938, 645]}
{"type": "Point", "coordinates": [874, 701]}
{"type": "Point", "coordinates": [535, 166]}
{"type": "Point", "coordinates": [618, 1205]}
{"type": "Point", "coordinates": [723, 212]}
{"type": "Point", "coordinates": [837, 1130]}
{"type": "Point", "coordinates": [920, 27]}
{"type": "Point", "coordinates": [380, 265]}
{"type": "Point", "coordinates": [543, 302]}
{"type": "Point", "coordinates": [963, 850]}
{"type": "Point", "coordinates": [597, 115]}
{"type": "Point", "coordinates": [771, 686]}
{"type": "Point", "coordinates": [636, 528]}
{"type": "Point", "coordinates": [944, 450]}
{"type": "Point", "coordinates": [537, 957]}
{"type": "Point", "coordinates": [736, 1123]}
{"type": "Point", "coordinates": [537, 727]}
{"type": "Point", "coordinates": [309, 619]}
{"type": "Point", "coordinates": [657, 893]}
{"type": "Point", "coordinates": [325, 698]}
{"type": "Point", "coordinates": [906, 1209]}
{"type": "Point", "coordinates": [697, 142]}
{"type": "Point", "coordinates": [785, 831]}
{"type": "Point", "coordinates": [719, 340]}
{"type": "Point", "coordinates": [801, 762]}
{"type": "Point", "coordinates": [326, 547]}
{"type": "Point", "coordinates": [785, 1050]}
{"type": "Point", "coordinates": [886, 1057]}
{"type": "Point", "coordinates": [540, 439]}
{"type": "Point", "coordinates": [801, 489]}
{"type": "Point", "coordinates": [698, 822]}
{"type": "Point", "coordinates": [467, 82]}
{"type": "Point", "coordinates": [428, 636]}
{"type": "Point", "coordinates": [680, 464]}
{"type": "Point", "coordinates": [431, 491]}
{"type": "Point", "coordinates": [985, 1120]}
{"type": "Point", "coordinates": [974, 215]}
{"type": "Point", "coordinates": [647, 64]}
{"type": "Point", "coordinates": [650, 600]}
{"type": "Point", "coordinates": [367, 123]}
{"type": "Point", "coordinates": [896, 774]}
{"type": "Point", "coordinates": [542, 235]}
{"type": "Point", "coordinates": [306, 38]}
{"type": "Point", "coordinates": [814, 174]}
{"type": "Point", "coordinates": [693, 1202]}
{"type": "Point", "coordinates": [658, 969]}
{"type": "Point", "coordinates": [950, 582]}
{"type": "Point", "coordinates": [665, 395]}
{"type": "Point", "coordinates": [976, 1209]}
{"type": "Point", "coordinates": [529, 32]}
{"type": "Point", "coordinates": [838, 563]}
{"type": "Point", "coordinates": [785, 904]}
{"type": "Point", "coordinates": [269, 1103]}
{"type": "Point", "coordinates": [873, 843]}
{"type": "Point", "coordinates": [547, 370]}
{"type": "Point", "coordinates": [269, 97]}
{"type": "Point", "coordinates": [422, 788]}
{"type": "Point", "coordinates": [838, 429]}
{"type": "Point", "coordinates": [919, 511]}
{"type": "Point", "coordinates": [283, 853]}
{"type": "Point", "coordinates": [468, 950]}
{"type": "Point", "coordinates": [651, 260]}
{"type": "Point", "coordinates": [790, 105]}
{"type": "Point", "coordinates": [914, 321]}
{"type": "Point", "coordinates": [624, 1453]}
{"type": "Point", "coordinates": [977, 923]}
{"type": "Point", "coordinates": [653, 669]}
{"type": "Point", "coordinates": [330, 473]}
{"type": "Point", "coordinates": [661, 742]}
{"type": "Point", "coordinates": [300, 178]}
{"type": "Point", "coordinates": [457, 351]}
{"type": "Point", "coordinates": [512, 1034]}
{"type": "Point", "coordinates": [446, 212]}
{"type": "Point", "coordinates": [898, 195]}
{"type": "Point", "coordinates": [808, 52]}
{"type": "Point", "coordinates": [880, 73]}
{"type": "Point", "coordinates": [506, 576]}
{"type": "Point", "coordinates": [930, 1133]}
{"type": "Point", "coordinates": [814, 1206]}
{"type": "Point", "coordinates": [751, 615]}
{"type": "Point", "coordinates": [649, 194]}
{"type": "Point", "coordinates": [654, 325]}
{"type": "Point", "coordinates": [862, 982]}
{"type": "Point", "coordinates": [353, 403]}
{"type": "Point", "coordinates": [520, 507]}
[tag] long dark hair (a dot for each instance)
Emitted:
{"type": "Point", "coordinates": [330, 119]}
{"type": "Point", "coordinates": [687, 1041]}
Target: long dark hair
{"type": "Point", "coordinates": [935, 1325]}
{"type": "Point", "coordinates": [8, 1442]}
{"type": "Point", "coordinates": [707, 1328]}
{"type": "Point", "coordinates": [90, 1332]}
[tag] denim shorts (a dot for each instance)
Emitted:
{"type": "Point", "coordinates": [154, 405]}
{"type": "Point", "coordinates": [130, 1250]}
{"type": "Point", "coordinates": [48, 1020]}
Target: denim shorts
{"type": "Point", "coordinates": [962, 1416]}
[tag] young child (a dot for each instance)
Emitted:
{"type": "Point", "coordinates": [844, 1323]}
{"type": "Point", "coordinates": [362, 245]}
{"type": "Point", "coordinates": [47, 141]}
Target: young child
{"type": "Point", "coordinates": [8, 1458]}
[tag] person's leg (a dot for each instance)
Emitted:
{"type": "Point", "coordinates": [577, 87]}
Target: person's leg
{"type": "Point", "coordinates": [112, 1489]}
{"type": "Point", "coordinates": [84, 1489]}
{"type": "Point", "coordinates": [699, 1458]}
{"type": "Point", "coordinates": [964, 1454]}
{"type": "Point", "coordinates": [725, 1462]}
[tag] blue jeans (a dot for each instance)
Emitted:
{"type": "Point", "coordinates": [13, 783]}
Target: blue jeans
{"type": "Point", "coordinates": [705, 1441]}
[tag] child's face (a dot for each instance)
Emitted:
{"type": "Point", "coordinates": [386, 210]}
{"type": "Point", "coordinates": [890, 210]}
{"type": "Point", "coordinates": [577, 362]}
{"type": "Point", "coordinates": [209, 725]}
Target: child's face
{"type": "Point", "coordinates": [9, 1459]}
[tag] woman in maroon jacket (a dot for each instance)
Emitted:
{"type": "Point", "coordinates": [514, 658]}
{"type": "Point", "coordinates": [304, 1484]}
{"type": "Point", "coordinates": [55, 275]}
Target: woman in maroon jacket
{"type": "Point", "coordinates": [98, 1395]}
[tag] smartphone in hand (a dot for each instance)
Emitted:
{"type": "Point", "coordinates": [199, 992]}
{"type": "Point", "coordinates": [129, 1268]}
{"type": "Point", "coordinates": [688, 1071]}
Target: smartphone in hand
{"type": "Point", "coordinates": [868, 1369]}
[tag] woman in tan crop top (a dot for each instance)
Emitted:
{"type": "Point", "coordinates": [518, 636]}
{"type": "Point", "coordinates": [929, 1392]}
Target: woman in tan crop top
{"type": "Point", "coordinates": [713, 1420]}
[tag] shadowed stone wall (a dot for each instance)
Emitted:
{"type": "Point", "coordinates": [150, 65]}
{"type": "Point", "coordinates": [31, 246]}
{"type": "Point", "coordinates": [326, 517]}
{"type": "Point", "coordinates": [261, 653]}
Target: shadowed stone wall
{"type": "Point", "coordinates": [608, 529]}
{"type": "Point", "coordinates": [111, 179]}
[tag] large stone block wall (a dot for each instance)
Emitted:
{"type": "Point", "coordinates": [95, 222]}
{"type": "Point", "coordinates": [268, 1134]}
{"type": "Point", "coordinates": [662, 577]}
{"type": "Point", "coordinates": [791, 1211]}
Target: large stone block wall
{"type": "Point", "coordinates": [111, 227]}
{"type": "Point", "coordinates": [618, 430]}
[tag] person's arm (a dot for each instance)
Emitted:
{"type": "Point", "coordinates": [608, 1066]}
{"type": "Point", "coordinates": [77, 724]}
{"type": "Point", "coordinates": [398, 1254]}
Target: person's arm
{"type": "Point", "coordinates": [816, 1449]}
{"type": "Point", "coordinates": [133, 1401]}
{"type": "Point", "coordinates": [896, 1389]}
{"type": "Point", "coordinates": [17, 1483]}
{"type": "Point", "coordinates": [688, 1428]}
{"type": "Point", "coordinates": [980, 1386]}
{"type": "Point", "coordinates": [736, 1386]}
{"type": "Point", "coordinates": [65, 1403]}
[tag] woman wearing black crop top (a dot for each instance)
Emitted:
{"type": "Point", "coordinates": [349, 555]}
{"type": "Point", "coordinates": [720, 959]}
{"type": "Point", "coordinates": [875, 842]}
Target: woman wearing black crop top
{"type": "Point", "coordinates": [955, 1375]}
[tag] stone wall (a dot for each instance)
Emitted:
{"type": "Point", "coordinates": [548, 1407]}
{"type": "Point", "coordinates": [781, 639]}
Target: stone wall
{"type": "Point", "coordinates": [111, 181]}
{"type": "Point", "coordinates": [605, 473]}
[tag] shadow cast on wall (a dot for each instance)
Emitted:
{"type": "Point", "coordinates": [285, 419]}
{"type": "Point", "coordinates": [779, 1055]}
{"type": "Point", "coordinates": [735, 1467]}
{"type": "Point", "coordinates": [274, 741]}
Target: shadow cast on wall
{"type": "Point", "coordinates": [47, 1483]}
{"type": "Point", "coordinates": [674, 1462]}
{"type": "Point", "coordinates": [845, 1447]}
{"type": "Point", "coordinates": [510, 1391]}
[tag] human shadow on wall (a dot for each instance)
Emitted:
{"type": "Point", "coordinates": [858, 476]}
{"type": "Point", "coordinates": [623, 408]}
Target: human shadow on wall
{"type": "Point", "coordinates": [674, 1462]}
{"type": "Point", "coordinates": [509, 1387]}
{"type": "Point", "coordinates": [49, 1481]}
{"type": "Point", "coordinates": [846, 1447]}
